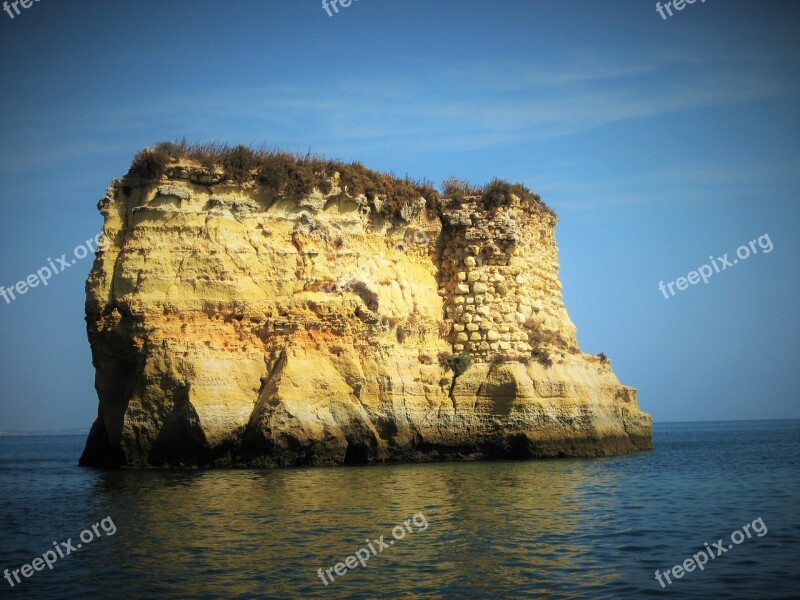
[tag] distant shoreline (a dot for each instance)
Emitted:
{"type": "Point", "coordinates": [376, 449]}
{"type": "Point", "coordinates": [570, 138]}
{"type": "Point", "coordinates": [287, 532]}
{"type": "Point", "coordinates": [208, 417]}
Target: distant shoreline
{"type": "Point", "coordinates": [44, 432]}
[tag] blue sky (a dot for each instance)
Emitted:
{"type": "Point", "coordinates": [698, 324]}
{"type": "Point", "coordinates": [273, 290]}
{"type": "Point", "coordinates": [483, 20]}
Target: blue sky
{"type": "Point", "coordinates": [658, 143]}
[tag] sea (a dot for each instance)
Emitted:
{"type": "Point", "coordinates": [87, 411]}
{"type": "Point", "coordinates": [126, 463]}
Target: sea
{"type": "Point", "coordinates": [561, 528]}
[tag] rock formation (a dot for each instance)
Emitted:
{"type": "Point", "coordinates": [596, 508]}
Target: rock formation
{"type": "Point", "coordinates": [230, 326]}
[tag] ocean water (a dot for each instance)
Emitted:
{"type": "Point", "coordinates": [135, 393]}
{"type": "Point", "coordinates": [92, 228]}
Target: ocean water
{"type": "Point", "coordinates": [588, 528]}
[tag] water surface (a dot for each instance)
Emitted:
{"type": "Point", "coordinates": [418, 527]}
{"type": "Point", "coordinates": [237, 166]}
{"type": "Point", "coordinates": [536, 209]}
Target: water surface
{"type": "Point", "coordinates": [595, 528]}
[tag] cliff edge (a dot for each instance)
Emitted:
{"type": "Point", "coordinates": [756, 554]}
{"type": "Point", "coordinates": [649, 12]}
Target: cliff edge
{"type": "Point", "coordinates": [271, 311]}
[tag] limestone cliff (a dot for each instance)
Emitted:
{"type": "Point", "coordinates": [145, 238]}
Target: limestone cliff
{"type": "Point", "coordinates": [233, 326]}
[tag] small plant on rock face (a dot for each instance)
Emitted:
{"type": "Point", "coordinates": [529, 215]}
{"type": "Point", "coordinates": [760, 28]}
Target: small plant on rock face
{"type": "Point", "coordinates": [539, 336]}
{"type": "Point", "coordinates": [498, 359]}
{"type": "Point", "coordinates": [542, 339]}
{"type": "Point", "coordinates": [459, 364]}
{"type": "Point", "coordinates": [603, 358]}
{"type": "Point", "coordinates": [149, 165]}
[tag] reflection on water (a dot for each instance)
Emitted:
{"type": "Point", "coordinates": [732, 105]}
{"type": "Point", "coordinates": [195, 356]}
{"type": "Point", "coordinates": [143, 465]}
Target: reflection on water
{"type": "Point", "coordinates": [242, 533]}
{"type": "Point", "coordinates": [556, 528]}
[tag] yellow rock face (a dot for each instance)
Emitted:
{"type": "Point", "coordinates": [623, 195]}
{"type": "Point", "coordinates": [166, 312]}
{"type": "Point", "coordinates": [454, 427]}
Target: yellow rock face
{"type": "Point", "coordinates": [231, 328]}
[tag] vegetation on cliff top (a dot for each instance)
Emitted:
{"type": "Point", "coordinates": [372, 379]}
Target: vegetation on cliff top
{"type": "Point", "coordinates": [297, 176]}
{"type": "Point", "coordinates": [496, 194]}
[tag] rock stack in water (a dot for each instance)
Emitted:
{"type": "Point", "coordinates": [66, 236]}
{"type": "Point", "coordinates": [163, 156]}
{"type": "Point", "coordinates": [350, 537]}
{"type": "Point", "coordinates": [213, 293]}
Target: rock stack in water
{"type": "Point", "coordinates": [233, 323]}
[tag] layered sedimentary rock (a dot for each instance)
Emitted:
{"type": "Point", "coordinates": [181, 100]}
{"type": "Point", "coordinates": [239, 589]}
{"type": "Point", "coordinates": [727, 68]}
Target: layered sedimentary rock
{"type": "Point", "coordinates": [231, 327]}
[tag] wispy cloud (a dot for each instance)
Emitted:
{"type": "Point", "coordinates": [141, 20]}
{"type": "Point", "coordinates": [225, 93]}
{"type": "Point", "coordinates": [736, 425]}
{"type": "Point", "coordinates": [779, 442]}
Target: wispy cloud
{"type": "Point", "coordinates": [710, 182]}
{"type": "Point", "coordinates": [440, 107]}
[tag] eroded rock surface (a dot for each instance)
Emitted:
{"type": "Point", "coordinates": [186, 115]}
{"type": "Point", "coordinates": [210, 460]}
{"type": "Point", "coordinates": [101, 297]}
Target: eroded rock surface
{"type": "Point", "coordinates": [232, 328]}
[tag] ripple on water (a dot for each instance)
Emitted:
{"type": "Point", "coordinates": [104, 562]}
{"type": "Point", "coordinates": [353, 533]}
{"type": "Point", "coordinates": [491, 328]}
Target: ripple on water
{"type": "Point", "coordinates": [552, 528]}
